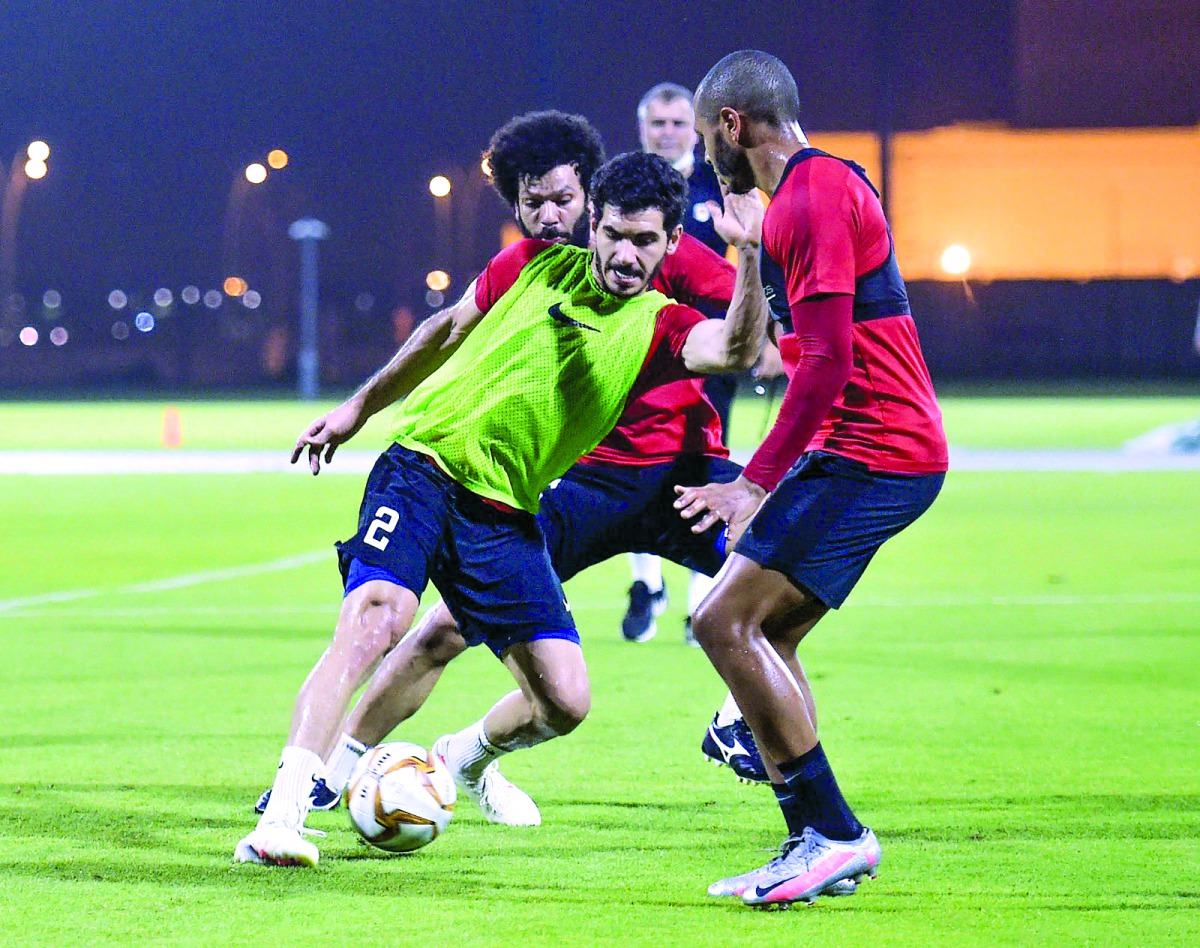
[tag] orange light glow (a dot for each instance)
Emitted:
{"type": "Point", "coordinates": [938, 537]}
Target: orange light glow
{"type": "Point", "coordinates": [277, 158]}
{"type": "Point", "coordinates": [235, 286]}
{"type": "Point", "coordinates": [438, 280]}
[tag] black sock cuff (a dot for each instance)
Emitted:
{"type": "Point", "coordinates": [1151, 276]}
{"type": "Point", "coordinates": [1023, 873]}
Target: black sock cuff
{"type": "Point", "coordinates": [807, 766]}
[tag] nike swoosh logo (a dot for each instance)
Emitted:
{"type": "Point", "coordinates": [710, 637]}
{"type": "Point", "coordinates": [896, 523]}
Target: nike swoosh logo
{"type": "Point", "coordinates": [759, 891]}
{"type": "Point", "coordinates": [810, 878]}
{"type": "Point", "coordinates": [729, 750]}
{"type": "Point", "coordinates": [558, 315]}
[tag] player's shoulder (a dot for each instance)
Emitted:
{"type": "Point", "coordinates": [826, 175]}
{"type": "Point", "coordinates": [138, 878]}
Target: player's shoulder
{"type": "Point", "coordinates": [816, 179]}
{"type": "Point", "coordinates": [815, 189]}
{"type": "Point", "coordinates": [678, 317]}
{"type": "Point", "coordinates": [520, 252]}
{"type": "Point", "coordinates": [692, 251]}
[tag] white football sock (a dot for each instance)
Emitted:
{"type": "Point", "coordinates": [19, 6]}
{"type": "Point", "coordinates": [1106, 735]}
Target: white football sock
{"type": "Point", "coordinates": [648, 568]}
{"type": "Point", "coordinates": [469, 751]}
{"type": "Point", "coordinates": [698, 588]}
{"type": "Point", "coordinates": [298, 770]}
{"type": "Point", "coordinates": [342, 761]}
{"type": "Point", "coordinates": [729, 712]}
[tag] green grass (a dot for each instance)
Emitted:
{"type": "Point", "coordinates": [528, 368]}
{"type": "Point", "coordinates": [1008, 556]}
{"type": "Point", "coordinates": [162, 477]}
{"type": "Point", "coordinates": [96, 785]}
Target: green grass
{"type": "Point", "coordinates": [1010, 698]}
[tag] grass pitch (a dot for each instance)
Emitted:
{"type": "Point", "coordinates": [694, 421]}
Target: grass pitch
{"type": "Point", "coordinates": [1009, 698]}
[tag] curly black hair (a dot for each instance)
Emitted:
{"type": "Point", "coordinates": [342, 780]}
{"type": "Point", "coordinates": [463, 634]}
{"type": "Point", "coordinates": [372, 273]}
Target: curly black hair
{"type": "Point", "coordinates": [638, 180]}
{"type": "Point", "coordinates": [535, 143]}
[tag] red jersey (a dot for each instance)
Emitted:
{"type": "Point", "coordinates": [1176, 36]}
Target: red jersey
{"type": "Point", "coordinates": [824, 233]}
{"type": "Point", "coordinates": [667, 413]}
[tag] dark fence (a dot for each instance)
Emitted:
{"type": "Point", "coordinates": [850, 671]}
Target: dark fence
{"type": "Point", "coordinates": [1018, 331]}
{"type": "Point", "coordinates": [1027, 330]}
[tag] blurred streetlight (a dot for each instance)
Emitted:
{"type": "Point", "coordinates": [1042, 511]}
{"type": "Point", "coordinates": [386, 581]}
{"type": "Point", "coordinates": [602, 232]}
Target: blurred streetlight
{"type": "Point", "coordinates": [277, 158]}
{"type": "Point", "coordinates": [956, 260]}
{"type": "Point", "coordinates": [456, 215]}
{"type": "Point", "coordinates": [235, 286]}
{"type": "Point", "coordinates": [256, 173]}
{"type": "Point", "coordinates": [29, 165]}
{"type": "Point", "coordinates": [438, 280]}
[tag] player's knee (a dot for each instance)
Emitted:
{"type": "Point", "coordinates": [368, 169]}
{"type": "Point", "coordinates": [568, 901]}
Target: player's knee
{"type": "Point", "coordinates": [376, 626]}
{"type": "Point", "coordinates": [564, 709]}
{"type": "Point", "coordinates": [715, 625]}
{"type": "Point", "coordinates": [438, 643]}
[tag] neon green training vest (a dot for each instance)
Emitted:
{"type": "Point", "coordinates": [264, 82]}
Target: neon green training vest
{"type": "Point", "coordinates": [537, 384]}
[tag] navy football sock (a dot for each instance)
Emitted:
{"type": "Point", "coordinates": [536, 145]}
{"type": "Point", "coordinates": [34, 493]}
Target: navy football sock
{"type": "Point", "coordinates": [794, 812]}
{"type": "Point", "coordinates": [810, 797]}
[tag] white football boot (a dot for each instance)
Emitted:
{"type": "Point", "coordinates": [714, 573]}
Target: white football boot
{"type": "Point", "coordinates": [811, 867]}
{"type": "Point", "coordinates": [737, 885]}
{"type": "Point", "coordinates": [499, 799]}
{"type": "Point", "coordinates": [277, 844]}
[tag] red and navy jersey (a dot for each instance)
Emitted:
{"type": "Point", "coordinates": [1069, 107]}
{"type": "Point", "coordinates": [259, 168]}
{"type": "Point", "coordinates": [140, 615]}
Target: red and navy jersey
{"type": "Point", "coordinates": [824, 233]}
{"type": "Point", "coordinates": [667, 413]}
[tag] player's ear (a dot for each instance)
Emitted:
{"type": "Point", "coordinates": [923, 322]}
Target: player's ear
{"type": "Point", "coordinates": [732, 125]}
{"type": "Point", "coordinates": [673, 238]}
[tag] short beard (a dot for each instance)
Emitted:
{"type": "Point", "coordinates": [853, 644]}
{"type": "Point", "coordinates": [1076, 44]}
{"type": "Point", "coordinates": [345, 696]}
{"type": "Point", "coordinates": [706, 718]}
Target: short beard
{"type": "Point", "coordinates": [578, 236]}
{"type": "Point", "coordinates": [733, 165]}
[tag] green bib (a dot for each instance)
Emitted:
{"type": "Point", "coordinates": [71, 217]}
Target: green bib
{"type": "Point", "coordinates": [537, 384]}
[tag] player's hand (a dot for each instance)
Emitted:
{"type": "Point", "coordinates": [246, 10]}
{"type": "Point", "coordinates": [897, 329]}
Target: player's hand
{"type": "Point", "coordinates": [739, 221]}
{"type": "Point", "coordinates": [327, 432]}
{"type": "Point", "coordinates": [736, 503]}
{"type": "Point", "coordinates": [770, 363]}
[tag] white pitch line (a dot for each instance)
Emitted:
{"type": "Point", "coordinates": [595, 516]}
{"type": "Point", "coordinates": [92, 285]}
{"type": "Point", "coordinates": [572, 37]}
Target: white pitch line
{"type": "Point", "coordinates": [170, 582]}
{"type": "Point", "coordinates": [68, 462]}
{"type": "Point", "coordinates": [151, 612]}
{"type": "Point", "coordinates": [357, 461]}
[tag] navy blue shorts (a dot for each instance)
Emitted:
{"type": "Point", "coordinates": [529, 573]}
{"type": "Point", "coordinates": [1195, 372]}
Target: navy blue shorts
{"type": "Point", "coordinates": [490, 565]}
{"type": "Point", "coordinates": [599, 510]}
{"type": "Point", "coordinates": [828, 517]}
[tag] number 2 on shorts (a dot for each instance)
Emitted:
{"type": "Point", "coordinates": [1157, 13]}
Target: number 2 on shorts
{"type": "Point", "coordinates": [385, 522]}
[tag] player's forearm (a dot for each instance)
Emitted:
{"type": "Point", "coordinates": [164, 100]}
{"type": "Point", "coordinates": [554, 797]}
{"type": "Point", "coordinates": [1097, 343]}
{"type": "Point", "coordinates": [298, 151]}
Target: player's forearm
{"type": "Point", "coordinates": [423, 353]}
{"type": "Point", "coordinates": [810, 394]}
{"type": "Point", "coordinates": [824, 332]}
{"type": "Point", "coordinates": [746, 322]}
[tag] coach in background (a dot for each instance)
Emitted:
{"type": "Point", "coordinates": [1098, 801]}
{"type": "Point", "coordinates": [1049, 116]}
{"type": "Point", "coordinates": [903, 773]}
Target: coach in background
{"type": "Point", "coordinates": [667, 128]}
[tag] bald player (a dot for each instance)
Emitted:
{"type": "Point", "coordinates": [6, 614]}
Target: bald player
{"type": "Point", "coordinates": [856, 455]}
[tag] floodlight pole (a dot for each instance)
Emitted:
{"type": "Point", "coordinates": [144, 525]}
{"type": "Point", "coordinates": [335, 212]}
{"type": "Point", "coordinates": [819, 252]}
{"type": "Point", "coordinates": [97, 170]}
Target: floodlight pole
{"type": "Point", "coordinates": [307, 232]}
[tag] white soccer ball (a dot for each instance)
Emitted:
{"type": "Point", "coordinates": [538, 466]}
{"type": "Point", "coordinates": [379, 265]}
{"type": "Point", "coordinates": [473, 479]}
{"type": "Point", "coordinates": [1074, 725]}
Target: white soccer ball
{"type": "Point", "coordinates": [400, 797]}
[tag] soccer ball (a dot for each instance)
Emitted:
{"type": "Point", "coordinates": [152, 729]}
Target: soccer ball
{"type": "Point", "coordinates": [400, 797]}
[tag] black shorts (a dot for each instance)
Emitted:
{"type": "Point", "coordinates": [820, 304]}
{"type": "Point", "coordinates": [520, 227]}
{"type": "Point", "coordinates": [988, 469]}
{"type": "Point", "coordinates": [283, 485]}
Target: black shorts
{"type": "Point", "coordinates": [490, 565]}
{"type": "Point", "coordinates": [599, 510]}
{"type": "Point", "coordinates": [828, 517]}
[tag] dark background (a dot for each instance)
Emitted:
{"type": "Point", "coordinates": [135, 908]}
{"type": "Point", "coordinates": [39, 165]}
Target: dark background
{"type": "Point", "coordinates": [153, 110]}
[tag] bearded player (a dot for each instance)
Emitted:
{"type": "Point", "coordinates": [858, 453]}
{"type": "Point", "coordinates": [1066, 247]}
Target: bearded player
{"type": "Point", "coordinates": [856, 455]}
{"type": "Point", "coordinates": [503, 392]}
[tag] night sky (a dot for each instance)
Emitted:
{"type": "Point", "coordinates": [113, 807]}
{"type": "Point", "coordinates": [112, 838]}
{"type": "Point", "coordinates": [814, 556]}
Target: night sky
{"type": "Point", "coordinates": [153, 110]}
